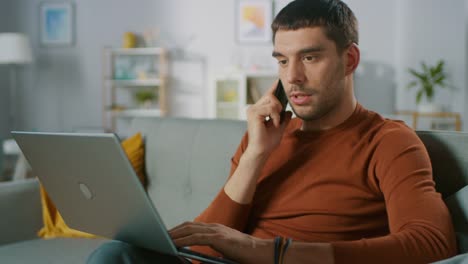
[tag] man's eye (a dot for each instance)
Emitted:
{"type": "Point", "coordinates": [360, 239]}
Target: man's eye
{"type": "Point", "coordinates": [282, 62]}
{"type": "Point", "coordinates": [309, 58]}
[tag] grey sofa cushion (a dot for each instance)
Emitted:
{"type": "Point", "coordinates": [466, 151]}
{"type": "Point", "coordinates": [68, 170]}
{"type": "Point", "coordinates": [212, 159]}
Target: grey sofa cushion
{"type": "Point", "coordinates": [188, 161]}
{"type": "Point", "coordinates": [49, 251]}
{"type": "Point", "coordinates": [20, 206]}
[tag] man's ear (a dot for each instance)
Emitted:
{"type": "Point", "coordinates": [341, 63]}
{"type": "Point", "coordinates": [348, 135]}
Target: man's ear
{"type": "Point", "coordinates": [353, 57]}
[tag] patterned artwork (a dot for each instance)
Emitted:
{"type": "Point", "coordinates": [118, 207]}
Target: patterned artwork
{"type": "Point", "coordinates": [253, 21]}
{"type": "Point", "coordinates": [56, 24]}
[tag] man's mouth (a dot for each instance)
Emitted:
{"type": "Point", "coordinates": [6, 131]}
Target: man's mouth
{"type": "Point", "coordinates": [300, 98]}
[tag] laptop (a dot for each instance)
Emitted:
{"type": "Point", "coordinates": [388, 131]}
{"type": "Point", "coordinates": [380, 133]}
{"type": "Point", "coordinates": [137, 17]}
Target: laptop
{"type": "Point", "coordinates": [92, 183]}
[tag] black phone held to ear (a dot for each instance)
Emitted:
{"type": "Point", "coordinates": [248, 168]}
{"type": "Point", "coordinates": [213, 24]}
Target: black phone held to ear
{"type": "Point", "coordinates": [280, 94]}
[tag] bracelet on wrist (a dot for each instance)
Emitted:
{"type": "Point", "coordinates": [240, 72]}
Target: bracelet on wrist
{"type": "Point", "coordinates": [285, 246]}
{"type": "Point", "coordinates": [277, 246]}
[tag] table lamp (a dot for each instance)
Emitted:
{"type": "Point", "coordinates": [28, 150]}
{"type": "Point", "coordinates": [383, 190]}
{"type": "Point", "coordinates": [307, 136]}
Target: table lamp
{"type": "Point", "coordinates": [15, 49]}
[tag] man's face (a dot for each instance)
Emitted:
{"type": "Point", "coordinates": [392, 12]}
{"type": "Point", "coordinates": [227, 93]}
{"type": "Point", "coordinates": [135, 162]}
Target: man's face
{"type": "Point", "coordinates": [311, 70]}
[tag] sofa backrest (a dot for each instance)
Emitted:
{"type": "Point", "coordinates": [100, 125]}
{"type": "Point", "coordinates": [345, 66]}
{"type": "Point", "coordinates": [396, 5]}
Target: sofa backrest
{"type": "Point", "coordinates": [448, 152]}
{"type": "Point", "coordinates": [187, 162]}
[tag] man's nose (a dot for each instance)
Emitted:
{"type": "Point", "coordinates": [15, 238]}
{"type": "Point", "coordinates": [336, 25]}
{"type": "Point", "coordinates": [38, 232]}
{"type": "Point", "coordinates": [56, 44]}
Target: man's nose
{"type": "Point", "coordinates": [295, 74]}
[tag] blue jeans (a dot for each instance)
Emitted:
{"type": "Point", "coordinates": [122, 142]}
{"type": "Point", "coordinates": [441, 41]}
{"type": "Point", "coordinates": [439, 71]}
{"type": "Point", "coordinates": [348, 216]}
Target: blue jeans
{"type": "Point", "coordinates": [117, 252]}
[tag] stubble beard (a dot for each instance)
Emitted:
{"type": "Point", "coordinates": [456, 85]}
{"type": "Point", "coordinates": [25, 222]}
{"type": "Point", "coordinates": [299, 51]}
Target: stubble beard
{"type": "Point", "coordinates": [316, 111]}
{"type": "Point", "coordinates": [320, 107]}
{"type": "Point", "coordinates": [327, 99]}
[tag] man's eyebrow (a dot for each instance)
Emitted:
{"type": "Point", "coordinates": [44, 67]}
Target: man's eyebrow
{"type": "Point", "coordinates": [311, 50]}
{"type": "Point", "coordinates": [276, 54]}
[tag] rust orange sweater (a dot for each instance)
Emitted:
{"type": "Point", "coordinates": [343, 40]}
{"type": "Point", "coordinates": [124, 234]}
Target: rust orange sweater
{"type": "Point", "coordinates": [365, 186]}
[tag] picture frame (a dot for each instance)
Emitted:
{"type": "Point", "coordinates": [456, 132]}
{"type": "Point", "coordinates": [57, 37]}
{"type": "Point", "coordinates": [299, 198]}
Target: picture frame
{"type": "Point", "coordinates": [57, 24]}
{"type": "Point", "coordinates": [253, 20]}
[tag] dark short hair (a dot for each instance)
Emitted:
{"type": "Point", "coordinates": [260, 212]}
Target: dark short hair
{"type": "Point", "coordinates": [334, 16]}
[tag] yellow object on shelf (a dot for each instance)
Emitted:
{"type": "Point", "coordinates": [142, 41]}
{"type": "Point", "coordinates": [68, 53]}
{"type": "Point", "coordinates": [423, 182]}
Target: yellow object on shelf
{"type": "Point", "coordinates": [230, 95]}
{"type": "Point", "coordinates": [129, 40]}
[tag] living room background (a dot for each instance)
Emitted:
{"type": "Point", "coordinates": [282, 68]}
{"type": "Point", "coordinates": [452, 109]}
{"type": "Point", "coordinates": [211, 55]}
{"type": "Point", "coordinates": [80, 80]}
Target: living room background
{"type": "Point", "coordinates": [61, 90]}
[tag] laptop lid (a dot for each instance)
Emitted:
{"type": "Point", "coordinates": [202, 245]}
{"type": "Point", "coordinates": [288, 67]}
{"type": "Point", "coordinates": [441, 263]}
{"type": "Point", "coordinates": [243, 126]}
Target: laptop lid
{"type": "Point", "coordinates": [88, 176]}
{"type": "Point", "coordinates": [92, 183]}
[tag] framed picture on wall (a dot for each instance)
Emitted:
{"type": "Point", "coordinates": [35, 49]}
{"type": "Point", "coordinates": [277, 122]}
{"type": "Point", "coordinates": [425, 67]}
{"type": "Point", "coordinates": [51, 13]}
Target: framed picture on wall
{"type": "Point", "coordinates": [253, 20]}
{"type": "Point", "coordinates": [56, 22]}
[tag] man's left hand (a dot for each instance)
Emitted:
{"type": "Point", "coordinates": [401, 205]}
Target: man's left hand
{"type": "Point", "coordinates": [231, 243]}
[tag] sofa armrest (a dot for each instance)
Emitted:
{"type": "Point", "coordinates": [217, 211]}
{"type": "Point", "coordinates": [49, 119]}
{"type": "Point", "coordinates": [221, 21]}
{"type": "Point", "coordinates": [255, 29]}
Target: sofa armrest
{"type": "Point", "coordinates": [20, 210]}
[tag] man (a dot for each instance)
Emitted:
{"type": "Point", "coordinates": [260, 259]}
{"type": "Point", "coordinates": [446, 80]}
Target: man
{"type": "Point", "coordinates": [345, 184]}
{"type": "Point", "coordinates": [348, 184]}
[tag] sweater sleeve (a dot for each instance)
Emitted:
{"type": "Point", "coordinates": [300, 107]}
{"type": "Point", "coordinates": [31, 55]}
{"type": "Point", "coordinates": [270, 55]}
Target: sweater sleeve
{"type": "Point", "coordinates": [421, 230]}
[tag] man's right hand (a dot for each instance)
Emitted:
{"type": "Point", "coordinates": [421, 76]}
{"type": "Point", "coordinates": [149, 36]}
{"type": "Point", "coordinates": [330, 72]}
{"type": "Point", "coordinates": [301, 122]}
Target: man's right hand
{"type": "Point", "coordinates": [265, 136]}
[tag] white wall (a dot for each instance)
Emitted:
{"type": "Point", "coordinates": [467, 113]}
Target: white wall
{"type": "Point", "coordinates": [62, 90]}
{"type": "Point", "coordinates": [397, 35]}
{"type": "Point", "coordinates": [375, 76]}
{"type": "Point", "coordinates": [205, 30]}
{"type": "Point", "coordinates": [429, 30]}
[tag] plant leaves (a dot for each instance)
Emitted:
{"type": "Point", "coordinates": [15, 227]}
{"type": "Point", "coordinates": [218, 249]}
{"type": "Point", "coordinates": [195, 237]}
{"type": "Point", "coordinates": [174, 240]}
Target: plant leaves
{"type": "Point", "coordinates": [412, 84]}
{"type": "Point", "coordinates": [425, 68]}
{"type": "Point", "coordinates": [421, 76]}
{"type": "Point", "coordinates": [428, 80]}
{"type": "Point", "coordinates": [418, 96]}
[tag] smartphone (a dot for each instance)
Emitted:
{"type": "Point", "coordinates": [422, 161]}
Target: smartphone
{"type": "Point", "coordinates": [282, 97]}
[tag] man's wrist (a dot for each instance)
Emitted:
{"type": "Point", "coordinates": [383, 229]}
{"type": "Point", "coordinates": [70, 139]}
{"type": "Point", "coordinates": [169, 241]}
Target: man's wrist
{"type": "Point", "coordinates": [242, 185]}
{"type": "Point", "coordinates": [253, 155]}
{"type": "Point", "coordinates": [301, 252]}
{"type": "Point", "coordinates": [262, 251]}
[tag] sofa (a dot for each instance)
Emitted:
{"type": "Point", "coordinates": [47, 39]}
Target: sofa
{"type": "Point", "coordinates": [187, 162]}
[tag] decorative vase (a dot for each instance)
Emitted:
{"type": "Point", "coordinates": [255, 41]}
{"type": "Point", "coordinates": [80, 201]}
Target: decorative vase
{"type": "Point", "coordinates": [129, 40]}
{"type": "Point", "coordinates": [429, 108]}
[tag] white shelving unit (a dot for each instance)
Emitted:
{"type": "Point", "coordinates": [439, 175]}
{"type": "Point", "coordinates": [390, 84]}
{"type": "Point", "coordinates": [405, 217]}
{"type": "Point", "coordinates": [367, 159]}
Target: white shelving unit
{"type": "Point", "coordinates": [138, 113]}
{"type": "Point", "coordinates": [232, 93]}
{"type": "Point", "coordinates": [127, 71]}
{"type": "Point", "coordinates": [135, 83]}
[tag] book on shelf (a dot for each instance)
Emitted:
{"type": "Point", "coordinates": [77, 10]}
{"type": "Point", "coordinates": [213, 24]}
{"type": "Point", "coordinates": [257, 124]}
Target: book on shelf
{"type": "Point", "coordinates": [254, 93]}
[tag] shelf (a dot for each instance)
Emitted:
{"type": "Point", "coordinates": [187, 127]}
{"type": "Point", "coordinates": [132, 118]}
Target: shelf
{"type": "Point", "coordinates": [148, 82]}
{"type": "Point", "coordinates": [137, 113]}
{"type": "Point", "coordinates": [262, 74]}
{"type": "Point", "coordinates": [246, 87]}
{"type": "Point", "coordinates": [126, 72]}
{"type": "Point", "coordinates": [415, 115]}
{"type": "Point", "coordinates": [227, 104]}
{"type": "Point", "coordinates": [137, 51]}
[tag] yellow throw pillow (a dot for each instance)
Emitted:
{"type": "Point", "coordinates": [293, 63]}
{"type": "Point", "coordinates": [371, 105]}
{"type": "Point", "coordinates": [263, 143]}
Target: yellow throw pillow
{"type": "Point", "coordinates": [55, 226]}
{"type": "Point", "coordinates": [134, 147]}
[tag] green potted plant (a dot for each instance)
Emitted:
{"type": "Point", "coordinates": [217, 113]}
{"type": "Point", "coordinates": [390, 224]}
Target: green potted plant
{"type": "Point", "coordinates": [427, 81]}
{"type": "Point", "coordinates": [145, 98]}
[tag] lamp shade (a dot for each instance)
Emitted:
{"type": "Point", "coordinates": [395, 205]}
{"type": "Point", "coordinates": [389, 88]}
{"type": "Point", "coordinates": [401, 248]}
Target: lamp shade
{"type": "Point", "coordinates": [15, 49]}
